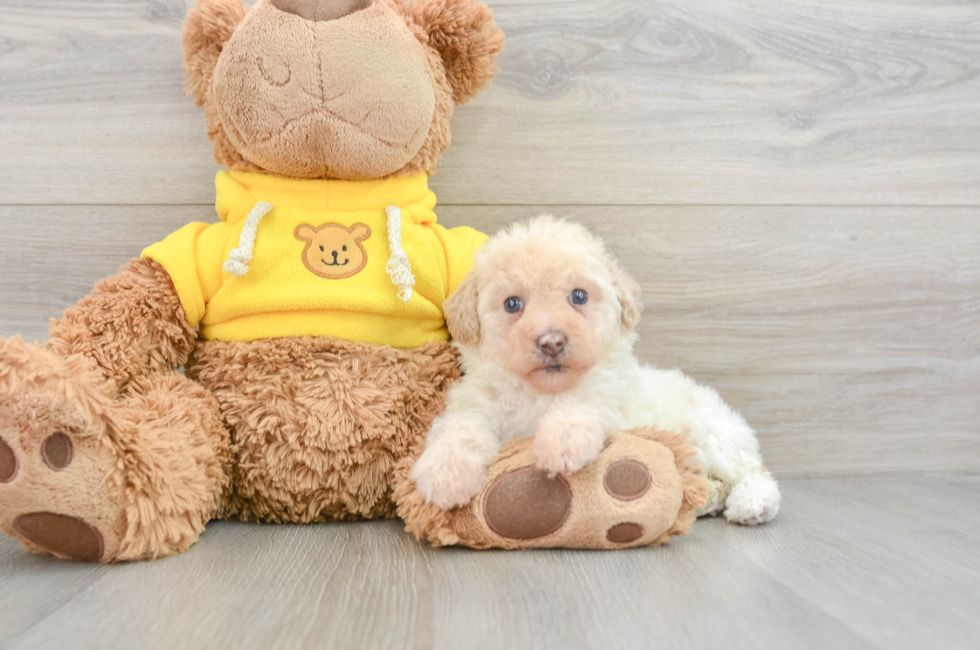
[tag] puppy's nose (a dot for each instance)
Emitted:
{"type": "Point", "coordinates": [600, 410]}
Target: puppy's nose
{"type": "Point", "coordinates": [552, 343]}
{"type": "Point", "coordinates": [321, 9]}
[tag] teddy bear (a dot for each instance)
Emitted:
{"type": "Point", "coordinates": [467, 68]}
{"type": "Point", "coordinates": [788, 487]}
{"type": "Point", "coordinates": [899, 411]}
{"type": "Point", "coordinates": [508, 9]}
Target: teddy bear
{"type": "Point", "coordinates": [308, 320]}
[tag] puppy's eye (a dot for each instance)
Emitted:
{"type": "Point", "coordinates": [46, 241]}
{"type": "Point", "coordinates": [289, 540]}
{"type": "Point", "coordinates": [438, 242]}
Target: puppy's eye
{"type": "Point", "coordinates": [321, 249]}
{"type": "Point", "coordinates": [513, 305]}
{"type": "Point", "coordinates": [579, 297]}
{"type": "Point", "coordinates": [345, 249]}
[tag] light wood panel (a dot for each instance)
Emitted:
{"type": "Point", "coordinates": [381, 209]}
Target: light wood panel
{"type": "Point", "coordinates": [841, 567]}
{"type": "Point", "coordinates": [849, 337]}
{"type": "Point", "coordinates": [598, 102]}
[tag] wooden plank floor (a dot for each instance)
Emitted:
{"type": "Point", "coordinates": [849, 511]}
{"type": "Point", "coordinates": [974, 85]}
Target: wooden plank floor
{"type": "Point", "coordinates": [851, 563]}
{"type": "Point", "coordinates": [795, 183]}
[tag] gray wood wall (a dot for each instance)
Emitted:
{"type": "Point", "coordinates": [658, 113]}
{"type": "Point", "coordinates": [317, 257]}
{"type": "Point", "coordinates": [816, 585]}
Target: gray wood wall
{"type": "Point", "coordinates": [795, 183]}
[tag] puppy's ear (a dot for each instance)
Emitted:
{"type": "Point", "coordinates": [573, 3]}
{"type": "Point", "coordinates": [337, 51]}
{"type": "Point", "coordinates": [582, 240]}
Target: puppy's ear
{"type": "Point", "coordinates": [629, 294]}
{"type": "Point", "coordinates": [207, 28]}
{"type": "Point", "coordinates": [462, 317]}
{"type": "Point", "coordinates": [467, 39]}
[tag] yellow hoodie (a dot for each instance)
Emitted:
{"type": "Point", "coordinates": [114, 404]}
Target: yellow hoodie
{"type": "Point", "coordinates": [357, 260]}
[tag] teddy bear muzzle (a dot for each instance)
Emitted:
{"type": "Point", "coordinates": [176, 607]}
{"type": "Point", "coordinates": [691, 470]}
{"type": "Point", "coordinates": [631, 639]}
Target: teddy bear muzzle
{"type": "Point", "coordinates": [297, 96]}
{"type": "Point", "coordinates": [321, 9]}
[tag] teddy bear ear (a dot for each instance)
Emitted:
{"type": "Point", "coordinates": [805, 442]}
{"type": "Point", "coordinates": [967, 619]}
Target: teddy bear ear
{"type": "Point", "coordinates": [207, 28]}
{"type": "Point", "coordinates": [360, 231]}
{"type": "Point", "coordinates": [304, 232]}
{"type": "Point", "coordinates": [467, 39]}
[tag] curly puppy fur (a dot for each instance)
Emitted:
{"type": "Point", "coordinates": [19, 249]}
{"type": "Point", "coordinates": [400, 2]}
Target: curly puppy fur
{"type": "Point", "coordinates": [565, 374]}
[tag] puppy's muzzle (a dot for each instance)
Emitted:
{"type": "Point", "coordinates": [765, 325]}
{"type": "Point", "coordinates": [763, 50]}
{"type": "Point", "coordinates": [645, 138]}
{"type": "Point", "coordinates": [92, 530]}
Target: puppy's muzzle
{"type": "Point", "coordinates": [552, 343]}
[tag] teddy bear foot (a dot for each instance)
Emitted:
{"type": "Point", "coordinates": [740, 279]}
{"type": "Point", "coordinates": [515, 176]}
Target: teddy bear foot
{"type": "Point", "coordinates": [641, 491]}
{"type": "Point", "coordinates": [51, 459]}
{"type": "Point", "coordinates": [89, 477]}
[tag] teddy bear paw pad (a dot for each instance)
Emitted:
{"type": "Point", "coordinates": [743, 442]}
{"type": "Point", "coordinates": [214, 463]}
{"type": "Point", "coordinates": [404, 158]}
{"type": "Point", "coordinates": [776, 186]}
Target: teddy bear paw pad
{"type": "Point", "coordinates": [57, 451]}
{"type": "Point", "coordinates": [627, 480]}
{"type": "Point", "coordinates": [61, 535]}
{"type": "Point", "coordinates": [624, 533]}
{"type": "Point", "coordinates": [8, 463]}
{"type": "Point", "coordinates": [526, 504]}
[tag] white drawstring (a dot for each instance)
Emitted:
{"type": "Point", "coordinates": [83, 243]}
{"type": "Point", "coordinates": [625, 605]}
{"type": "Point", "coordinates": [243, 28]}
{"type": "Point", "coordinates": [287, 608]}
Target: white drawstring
{"type": "Point", "coordinates": [399, 268]}
{"type": "Point", "coordinates": [238, 258]}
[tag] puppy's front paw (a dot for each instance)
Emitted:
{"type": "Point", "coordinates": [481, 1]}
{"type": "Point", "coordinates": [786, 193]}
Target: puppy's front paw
{"type": "Point", "coordinates": [754, 500]}
{"type": "Point", "coordinates": [564, 445]}
{"type": "Point", "coordinates": [448, 477]}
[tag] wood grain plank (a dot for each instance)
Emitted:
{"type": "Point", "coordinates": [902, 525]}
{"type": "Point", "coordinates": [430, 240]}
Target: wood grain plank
{"type": "Point", "coordinates": [884, 539]}
{"type": "Point", "coordinates": [849, 563]}
{"type": "Point", "coordinates": [33, 587]}
{"type": "Point", "coordinates": [630, 600]}
{"type": "Point", "coordinates": [300, 578]}
{"type": "Point", "coordinates": [848, 337]}
{"type": "Point", "coordinates": [598, 102]}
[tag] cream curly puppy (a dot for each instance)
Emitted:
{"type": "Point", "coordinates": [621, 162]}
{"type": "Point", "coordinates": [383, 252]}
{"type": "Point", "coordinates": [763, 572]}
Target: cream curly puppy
{"type": "Point", "coordinates": [544, 324]}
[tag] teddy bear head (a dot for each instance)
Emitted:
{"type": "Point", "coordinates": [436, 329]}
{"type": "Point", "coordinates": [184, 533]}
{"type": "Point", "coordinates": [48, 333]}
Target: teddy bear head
{"type": "Point", "coordinates": [337, 89]}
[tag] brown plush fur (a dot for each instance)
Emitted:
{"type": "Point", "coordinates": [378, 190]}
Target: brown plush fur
{"type": "Point", "coordinates": [666, 510]}
{"type": "Point", "coordinates": [695, 486]}
{"type": "Point", "coordinates": [465, 37]}
{"type": "Point", "coordinates": [318, 424]}
{"type": "Point", "coordinates": [131, 325]}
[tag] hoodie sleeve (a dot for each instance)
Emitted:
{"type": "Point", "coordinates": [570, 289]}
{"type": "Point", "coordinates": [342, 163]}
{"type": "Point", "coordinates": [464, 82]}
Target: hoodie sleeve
{"type": "Point", "coordinates": [192, 258]}
{"type": "Point", "coordinates": [459, 245]}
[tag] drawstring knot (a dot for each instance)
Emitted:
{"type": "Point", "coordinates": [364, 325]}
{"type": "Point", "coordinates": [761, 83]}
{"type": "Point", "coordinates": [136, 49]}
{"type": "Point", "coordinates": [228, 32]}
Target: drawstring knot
{"type": "Point", "coordinates": [399, 268]}
{"type": "Point", "coordinates": [238, 258]}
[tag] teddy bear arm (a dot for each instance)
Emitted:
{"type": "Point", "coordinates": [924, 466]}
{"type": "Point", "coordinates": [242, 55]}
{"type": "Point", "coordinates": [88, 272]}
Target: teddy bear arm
{"type": "Point", "coordinates": [131, 325]}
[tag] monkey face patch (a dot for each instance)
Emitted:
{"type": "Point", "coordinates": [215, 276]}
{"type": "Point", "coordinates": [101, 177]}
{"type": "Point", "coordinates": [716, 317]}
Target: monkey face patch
{"type": "Point", "coordinates": [333, 251]}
